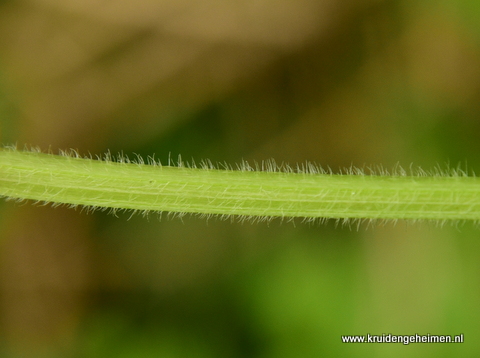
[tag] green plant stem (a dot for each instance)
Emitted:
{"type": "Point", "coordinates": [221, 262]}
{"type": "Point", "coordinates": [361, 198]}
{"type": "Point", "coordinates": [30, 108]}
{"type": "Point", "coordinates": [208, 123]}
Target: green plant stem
{"type": "Point", "coordinates": [106, 184]}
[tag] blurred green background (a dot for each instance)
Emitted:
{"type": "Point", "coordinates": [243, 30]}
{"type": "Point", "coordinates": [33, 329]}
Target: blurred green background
{"type": "Point", "coordinates": [339, 83]}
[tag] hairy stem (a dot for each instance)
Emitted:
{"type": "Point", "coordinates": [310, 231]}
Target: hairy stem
{"type": "Point", "coordinates": [96, 183]}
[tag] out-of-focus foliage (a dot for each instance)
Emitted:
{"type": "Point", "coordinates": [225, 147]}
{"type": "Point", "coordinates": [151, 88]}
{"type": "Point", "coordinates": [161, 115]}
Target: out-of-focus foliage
{"type": "Point", "coordinates": [339, 83]}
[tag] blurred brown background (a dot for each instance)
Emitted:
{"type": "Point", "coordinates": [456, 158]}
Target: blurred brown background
{"type": "Point", "coordinates": [338, 83]}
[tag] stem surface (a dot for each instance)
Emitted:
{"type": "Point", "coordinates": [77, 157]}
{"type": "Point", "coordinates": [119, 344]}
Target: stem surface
{"type": "Point", "coordinates": [96, 183]}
